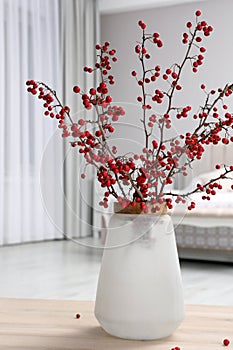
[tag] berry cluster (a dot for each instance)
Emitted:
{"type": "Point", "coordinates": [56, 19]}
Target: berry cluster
{"type": "Point", "coordinates": [103, 64]}
{"type": "Point", "coordinates": [146, 177]}
{"type": "Point", "coordinates": [195, 36]}
{"type": "Point", "coordinates": [184, 112]}
{"type": "Point", "coordinates": [158, 96]}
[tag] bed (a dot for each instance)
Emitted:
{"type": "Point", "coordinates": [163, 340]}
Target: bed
{"type": "Point", "coordinates": [206, 232]}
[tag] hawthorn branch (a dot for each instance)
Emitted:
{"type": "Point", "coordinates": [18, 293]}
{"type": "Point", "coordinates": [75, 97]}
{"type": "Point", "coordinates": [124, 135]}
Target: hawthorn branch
{"type": "Point", "coordinates": [54, 93]}
{"type": "Point", "coordinates": [170, 95]}
{"type": "Point", "coordinates": [187, 194]}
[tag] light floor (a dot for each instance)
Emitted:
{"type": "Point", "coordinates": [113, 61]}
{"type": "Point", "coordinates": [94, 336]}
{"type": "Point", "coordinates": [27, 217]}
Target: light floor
{"type": "Point", "coordinates": [65, 270]}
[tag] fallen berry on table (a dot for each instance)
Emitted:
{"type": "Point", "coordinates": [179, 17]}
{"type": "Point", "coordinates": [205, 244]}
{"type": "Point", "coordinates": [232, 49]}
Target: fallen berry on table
{"type": "Point", "coordinates": [77, 316]}
{"type": "Point", "coordinates": [226, 342]}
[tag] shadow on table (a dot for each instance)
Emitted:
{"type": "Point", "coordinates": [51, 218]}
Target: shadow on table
{"type": "Point", "coordinates": [97, 338]}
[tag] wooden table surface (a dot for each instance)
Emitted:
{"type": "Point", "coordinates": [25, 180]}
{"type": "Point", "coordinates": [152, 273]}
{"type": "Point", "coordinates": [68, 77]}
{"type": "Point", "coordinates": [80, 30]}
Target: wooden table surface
{"type": "Point", "coordinates": [51, 324]}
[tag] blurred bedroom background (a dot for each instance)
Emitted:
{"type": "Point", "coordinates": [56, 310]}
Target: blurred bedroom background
{"type": "Point", "coordinates": [51, 227]}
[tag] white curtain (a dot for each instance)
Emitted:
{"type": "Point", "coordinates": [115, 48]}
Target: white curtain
{"type": "Point", "coordinates": [29, 49]}
{"type": "Point", "coordinates": [80, 28]}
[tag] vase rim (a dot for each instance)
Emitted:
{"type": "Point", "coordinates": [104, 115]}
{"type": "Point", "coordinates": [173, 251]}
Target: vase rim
{"type": "Point", "coordinates": [138, 210]}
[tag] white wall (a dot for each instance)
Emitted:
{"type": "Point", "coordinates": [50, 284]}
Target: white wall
{"type": "Point", "coordinates": [113, 6]}
{"type": "Point", "coordinates": [122, 31]}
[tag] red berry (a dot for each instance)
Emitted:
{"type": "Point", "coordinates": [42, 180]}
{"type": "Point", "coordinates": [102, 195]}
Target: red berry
{"type": "Point", "coordinates": [225, 140]}
{"type": "Point", "coordinates": [155, 143]}
{"type": "Point", "coordinates": [76, 89]}
{"type": "Point", "coordinates": [198, 13]}
{"type": "Point", "coordinates": [189, 25]}
{"type": "Point", "coordinates": [137, 48]}
{"type": "Point", "coordinates": [81, 121]}
{"type": "Point", "coordinates": [92, 91]}
{"type": "Point", "coordinates": [77, 315]}
{"type": "Point", "coordinates": [226, 342]}
{"type": "Point", "coordinates": [108, 99]}
{"type": "Point", "coordinates": [134, 73]}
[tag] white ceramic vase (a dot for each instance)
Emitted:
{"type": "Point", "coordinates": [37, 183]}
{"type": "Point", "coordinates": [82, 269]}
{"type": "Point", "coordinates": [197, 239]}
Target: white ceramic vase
{"type": "Point", "coordinates": [139, 294]}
